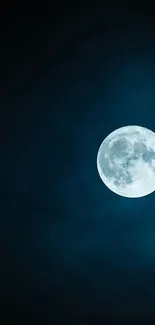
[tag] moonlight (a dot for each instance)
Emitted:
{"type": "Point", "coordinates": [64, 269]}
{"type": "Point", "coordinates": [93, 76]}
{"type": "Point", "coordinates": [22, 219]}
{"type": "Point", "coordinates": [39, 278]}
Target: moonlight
{"type": "Point", "coordinates": [126, 161]}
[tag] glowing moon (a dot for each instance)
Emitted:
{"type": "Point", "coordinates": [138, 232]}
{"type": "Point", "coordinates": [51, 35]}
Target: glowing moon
{"type": "Point", "coordinates": [126, 161]}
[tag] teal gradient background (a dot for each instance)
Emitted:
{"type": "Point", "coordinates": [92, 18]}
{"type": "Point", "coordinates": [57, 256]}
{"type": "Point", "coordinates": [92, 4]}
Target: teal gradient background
{"type": "Point", "coordinates": [71, 249]}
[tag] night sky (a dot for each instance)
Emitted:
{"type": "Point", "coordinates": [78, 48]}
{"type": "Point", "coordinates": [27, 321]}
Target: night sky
{"type": "Point", "coordinates": [72, 251]}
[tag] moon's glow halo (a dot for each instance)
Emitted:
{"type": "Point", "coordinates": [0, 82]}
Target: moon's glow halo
{"type": "Point", "coordinates": [126, 161]}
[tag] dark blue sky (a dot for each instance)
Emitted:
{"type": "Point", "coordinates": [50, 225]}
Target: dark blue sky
{"type": "Point", "coordinates": [71, 249]}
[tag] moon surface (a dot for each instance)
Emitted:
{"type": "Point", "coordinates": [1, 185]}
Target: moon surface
{"type": "Point", "coordinates": [126, 161]}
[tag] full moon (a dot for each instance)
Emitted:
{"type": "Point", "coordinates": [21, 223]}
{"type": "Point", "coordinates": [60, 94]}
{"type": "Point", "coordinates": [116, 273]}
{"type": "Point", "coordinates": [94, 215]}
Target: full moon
{"type": "Point", "coordinates": [126, 161]}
